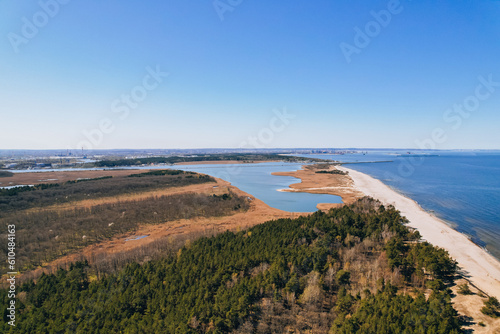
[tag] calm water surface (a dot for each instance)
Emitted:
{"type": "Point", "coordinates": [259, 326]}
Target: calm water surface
{"type": "Point", "coordinates": [256, 179]}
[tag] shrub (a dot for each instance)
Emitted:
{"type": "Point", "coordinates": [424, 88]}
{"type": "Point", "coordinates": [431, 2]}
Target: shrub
{"type": "Point", "coordinates": [491, 307]}
{"type": "Point", "coordinates": [464, 289]}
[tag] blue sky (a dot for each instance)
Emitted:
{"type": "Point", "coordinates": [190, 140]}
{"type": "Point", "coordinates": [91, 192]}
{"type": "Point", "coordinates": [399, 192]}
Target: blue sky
{"type": "Point", "coordinates": [62, 84]}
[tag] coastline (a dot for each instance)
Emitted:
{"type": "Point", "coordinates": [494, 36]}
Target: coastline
{"type": "Point", "coordinates": [479, 268]}
{"type": "Point", "coordinates": [477, 265]}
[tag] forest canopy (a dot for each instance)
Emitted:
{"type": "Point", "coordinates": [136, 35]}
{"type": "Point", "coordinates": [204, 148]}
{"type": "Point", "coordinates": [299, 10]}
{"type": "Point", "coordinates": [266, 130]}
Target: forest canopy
{"type": "Point", "coordinates": [345, 271]}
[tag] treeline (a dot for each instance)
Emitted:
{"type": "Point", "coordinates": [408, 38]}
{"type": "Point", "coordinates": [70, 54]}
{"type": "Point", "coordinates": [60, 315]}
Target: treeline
{"type": "Point", "coordinates": [90, 179]}
{"type": "Point", "coordinates": [4, 173]}
{"type": "Point", "coordinates": [322, 165]}
{"type": "Point", "coordinates": [162, 172]}
{"type": "Point", "coordinates": [300, 275]}
{"type": "Point", "coordinates": [16, 190]}
{"type": "Point", "coordinates": [21, 198]}
{"type": "Point", "coordinates": [42, 186]}
{"type": "Point", "coordinates": [45, 235]}
{"type": "Point", "coordinates": [208, 157]}
{"type": "Point", "coordinates": [335, 171]}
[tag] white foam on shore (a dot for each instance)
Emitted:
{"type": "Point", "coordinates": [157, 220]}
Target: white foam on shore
{"type": "Point", "coordinates": [480, 267]}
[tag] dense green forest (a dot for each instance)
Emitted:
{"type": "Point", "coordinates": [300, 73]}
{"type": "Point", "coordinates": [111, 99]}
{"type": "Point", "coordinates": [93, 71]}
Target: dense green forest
{"type": "Point", "coordinates": [247, 157]}
{"type": "Point", "coordinates": [354, 269]}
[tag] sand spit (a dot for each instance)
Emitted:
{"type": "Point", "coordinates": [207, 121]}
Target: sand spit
{"type": "Point", "coordinates": [316, 183]}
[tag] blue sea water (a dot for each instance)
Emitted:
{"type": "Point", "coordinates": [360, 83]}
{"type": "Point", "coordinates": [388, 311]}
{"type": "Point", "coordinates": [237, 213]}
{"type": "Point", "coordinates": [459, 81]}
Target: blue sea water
{"type": "Point", "coordinates": [462, 188]}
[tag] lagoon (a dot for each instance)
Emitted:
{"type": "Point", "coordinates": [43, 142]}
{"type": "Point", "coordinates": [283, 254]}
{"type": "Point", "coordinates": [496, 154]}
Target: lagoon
{"type": "Point", "coordinates": [256, 179]}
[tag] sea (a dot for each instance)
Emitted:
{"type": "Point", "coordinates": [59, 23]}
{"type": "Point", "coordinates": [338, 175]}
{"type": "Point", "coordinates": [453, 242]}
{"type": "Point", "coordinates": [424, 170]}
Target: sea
{"type": "Point", "coordinates": [460, 187]}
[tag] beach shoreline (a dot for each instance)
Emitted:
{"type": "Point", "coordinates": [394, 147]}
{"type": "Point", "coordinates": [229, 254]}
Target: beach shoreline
{"type": "Point", "coordinates": [477, 265]}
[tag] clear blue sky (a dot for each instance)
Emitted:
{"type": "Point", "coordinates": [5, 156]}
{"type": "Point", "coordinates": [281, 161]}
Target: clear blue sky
{"type": "Point", "coordinates": [227, 76]}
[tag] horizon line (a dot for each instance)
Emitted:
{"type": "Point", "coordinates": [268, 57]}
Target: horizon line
{"type": "Point", "coordinates": [250, 149]}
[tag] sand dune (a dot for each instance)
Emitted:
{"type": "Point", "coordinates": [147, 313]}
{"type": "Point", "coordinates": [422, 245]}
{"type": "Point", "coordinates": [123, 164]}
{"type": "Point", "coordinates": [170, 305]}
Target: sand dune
{"type": "Point", "coordinates": [481, 268]}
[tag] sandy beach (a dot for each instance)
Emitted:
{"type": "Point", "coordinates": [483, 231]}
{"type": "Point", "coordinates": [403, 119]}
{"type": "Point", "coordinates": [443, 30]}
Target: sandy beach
{"type": "Point", "coordinates": [480, 267]}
